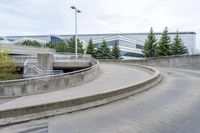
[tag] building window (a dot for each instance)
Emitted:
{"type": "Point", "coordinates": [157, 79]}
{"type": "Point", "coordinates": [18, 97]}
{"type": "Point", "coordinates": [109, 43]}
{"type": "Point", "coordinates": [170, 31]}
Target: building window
{"type": "Point", "coordinates": [139, 46]}
{"type": "Point", "coordinates": [130, 54]}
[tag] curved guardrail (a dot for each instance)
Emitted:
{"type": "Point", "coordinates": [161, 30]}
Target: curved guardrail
{"type": "Point", "coordinates": [29, 86]}
{"type": "Point", "coordinates": [51, 109]}
{"type": "Point", "coordinates": [62, 56]}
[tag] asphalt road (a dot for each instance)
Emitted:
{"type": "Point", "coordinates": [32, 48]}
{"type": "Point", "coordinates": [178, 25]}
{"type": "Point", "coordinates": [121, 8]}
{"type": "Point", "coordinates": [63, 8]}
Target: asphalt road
{"type": "Point", "coordinates": [173, 106]}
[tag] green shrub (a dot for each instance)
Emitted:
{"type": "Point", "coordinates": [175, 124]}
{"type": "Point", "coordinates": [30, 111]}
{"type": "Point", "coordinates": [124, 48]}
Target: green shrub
{"type": "Point", "coordinates": [7, 66]}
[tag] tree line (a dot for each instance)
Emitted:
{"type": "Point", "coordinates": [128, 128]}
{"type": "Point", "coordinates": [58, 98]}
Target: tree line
{"type": "Point", "coordinates": [102, 52]}
{"type": "Point", "coordinates": [31, 43]}
{"type": "Point", "coordinates": [163, 47]}
{"type": "Point", "coordinates": [66, 46]}
{"type": "Point", "coordinates": [152, 47]}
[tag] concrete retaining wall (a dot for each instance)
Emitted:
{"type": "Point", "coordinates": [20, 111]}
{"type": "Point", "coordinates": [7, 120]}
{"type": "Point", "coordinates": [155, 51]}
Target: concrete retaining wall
{"type": "Point", "coordinates": [71, 64]}
{"type": "Point", "coordinates": [25, 50]}
{"type": "Point", "coordinates": [183, 61]}
{"type": "Point", "coordinates": [45, 60]}
{"type": "Point", "coordinates": [51, 109]}
{"type": "Point", "coordinates": [30, 86]}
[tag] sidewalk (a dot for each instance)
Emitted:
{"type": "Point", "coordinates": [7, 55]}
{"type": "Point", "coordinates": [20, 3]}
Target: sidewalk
{"type": "Point", "coordinates": [113, 77]}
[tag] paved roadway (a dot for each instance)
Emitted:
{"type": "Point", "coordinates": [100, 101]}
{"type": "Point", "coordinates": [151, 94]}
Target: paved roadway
{"type": "Point", "coordinates": [173, 106]}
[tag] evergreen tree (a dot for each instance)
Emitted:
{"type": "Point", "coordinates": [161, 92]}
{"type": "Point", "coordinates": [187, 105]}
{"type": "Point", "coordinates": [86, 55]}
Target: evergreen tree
{"type": "Point", "coordinates": [115, 51]}
{"type": "Point", "coordinates": [103, 52]}
{"type": "Point", "coordinates": [178, 46]}
{"type": "Point", "coordinates": [150, 45]}
{"type": "Point", "coordinates": [90, 49]}
{"type": "Point", "coordinates": [71, 45]}
{"type": "Point", "coordinates": [61, 46]}
{"type": "Point", "coordinates": [50, 45]}
{"type": "Point", "coordinates": [164, 44]}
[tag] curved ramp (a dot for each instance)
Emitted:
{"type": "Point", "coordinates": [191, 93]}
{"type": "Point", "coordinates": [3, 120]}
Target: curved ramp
{"type": "Point", "coordinates": [115, 82]}
{"type": "Point", "coordinates": [173, 106]}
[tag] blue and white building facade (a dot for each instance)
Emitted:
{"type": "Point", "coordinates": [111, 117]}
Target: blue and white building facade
{"type": "Point", "coordinates": [130, 44]}
{"type": "Point", "coordinates": [129, 48]}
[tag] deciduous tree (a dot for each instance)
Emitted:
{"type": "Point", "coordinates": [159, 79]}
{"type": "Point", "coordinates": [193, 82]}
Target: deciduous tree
{"type": "Point", "coordinates": [7, 66]}
{"type": "Point", "coordinates": [31, 43]}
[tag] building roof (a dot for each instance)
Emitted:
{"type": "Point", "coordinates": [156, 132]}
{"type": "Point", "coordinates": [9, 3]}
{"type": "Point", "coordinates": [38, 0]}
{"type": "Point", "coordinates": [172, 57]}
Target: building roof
{"type": "Point", "coordinates": [102, 34]}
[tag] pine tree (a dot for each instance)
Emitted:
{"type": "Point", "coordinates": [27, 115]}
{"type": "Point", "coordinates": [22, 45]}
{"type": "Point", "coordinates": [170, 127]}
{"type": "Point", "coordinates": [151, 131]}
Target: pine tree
{"type": "Point", "coordinates": [178, 46]}
{"type": "Point", "coordinates": [61, 46]}
{"type": "Point", "coordinates": [71, 45]}
{"type": "Point", "coordinates": [103, 52]}
{"type": "Point", "coordinates": [164, 44]}
{"type": "Point", "coordinates": [116, 51]}
{"type": "Point", "coordinates": [90, 48]}
{"type": "Point", "coordinates": [150, 45]}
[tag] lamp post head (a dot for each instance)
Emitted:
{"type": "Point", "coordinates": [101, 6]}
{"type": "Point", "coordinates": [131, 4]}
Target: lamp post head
{"type": "Point", "coordinates": [73, 7]}
{"type": "Point", "coordinates": [78, 11]}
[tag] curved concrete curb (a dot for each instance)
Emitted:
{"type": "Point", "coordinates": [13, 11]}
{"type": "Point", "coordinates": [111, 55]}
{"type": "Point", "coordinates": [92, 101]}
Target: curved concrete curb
{"type": "Point", "coordinates": [23, 87]}
{"type": "Point", "coordinates": [51, 109]}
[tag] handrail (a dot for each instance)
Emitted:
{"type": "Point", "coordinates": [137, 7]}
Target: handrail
{"type": "Point", "coordinates": [58, 57]}
{"type": "Point", "coordinates": [71, 56]}
{"type": "Point", "coordinates": [94, 62]}
{"type": "Point", "coordinates": [37, 70]}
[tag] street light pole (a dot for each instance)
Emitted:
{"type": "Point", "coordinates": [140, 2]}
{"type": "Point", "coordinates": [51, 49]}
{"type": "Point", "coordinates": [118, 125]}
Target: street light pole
{"type": "Point", "coordinates": [76, 11]}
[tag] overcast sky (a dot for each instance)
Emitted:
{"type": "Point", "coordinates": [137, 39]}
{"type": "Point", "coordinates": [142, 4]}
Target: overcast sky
{"type": "Point", "coordinates": [39, 17]}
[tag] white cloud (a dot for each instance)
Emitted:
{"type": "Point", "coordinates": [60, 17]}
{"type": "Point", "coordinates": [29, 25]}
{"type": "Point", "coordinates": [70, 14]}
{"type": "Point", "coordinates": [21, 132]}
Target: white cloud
{"type": "Point", "coordinates": [21, 17]}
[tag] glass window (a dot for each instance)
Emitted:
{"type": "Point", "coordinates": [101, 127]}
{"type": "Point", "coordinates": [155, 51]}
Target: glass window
{"type": "Point", "coordinates": [131, 54]}
{"type": "Point", "coordinates": [127, 44]}
{"type": "Point", "coordinates": [139, 46]}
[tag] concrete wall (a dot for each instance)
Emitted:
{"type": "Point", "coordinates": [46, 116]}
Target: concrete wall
{"type": "Point", "coordinates": [71, 64]}
{"type": "Point", "coordinates": [17, 49]}
{"type": "Point", "coordinates": [45, 60]}
{"type": "Point", "coordinates": [183, 61]}
{"type": "Point", "coordinates": [48, 83]}
{"type": "Point", "coordinates": [61, 64]}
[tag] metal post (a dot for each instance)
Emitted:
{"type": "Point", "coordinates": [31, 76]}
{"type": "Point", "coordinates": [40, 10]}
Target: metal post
{"type": "Point", "coordinates": [76, 47]}
{"type": "Point", "coordinates": [76, 33]}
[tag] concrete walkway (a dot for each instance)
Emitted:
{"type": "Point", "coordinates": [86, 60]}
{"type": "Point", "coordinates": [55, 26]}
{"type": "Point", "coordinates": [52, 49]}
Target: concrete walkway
{"type": "Point", "coordinates": [173, 106]}
{"type": "Point", "coordinates": [113, 77]}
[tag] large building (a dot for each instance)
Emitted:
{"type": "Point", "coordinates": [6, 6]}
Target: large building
{"type": "Point", "coordinates": [129, 48]}
{"type": "Point", "coordinates": [131, 44]}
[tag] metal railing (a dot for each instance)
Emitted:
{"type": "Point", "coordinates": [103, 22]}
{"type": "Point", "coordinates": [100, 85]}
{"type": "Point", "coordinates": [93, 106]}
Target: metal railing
{"type": "Point", "coordinates": [71, 57]}
{"type": "Point", "coordinates": [56, 57]}
{"type": "Point", "coordinates": [32, 69]}
{"type": "Point", "coordinates": [23, 58]}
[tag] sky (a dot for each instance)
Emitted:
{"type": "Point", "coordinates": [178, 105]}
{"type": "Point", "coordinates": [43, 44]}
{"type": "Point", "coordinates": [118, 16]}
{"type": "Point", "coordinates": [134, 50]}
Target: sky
{"type": "Point", "coordinates": [47, 17]}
